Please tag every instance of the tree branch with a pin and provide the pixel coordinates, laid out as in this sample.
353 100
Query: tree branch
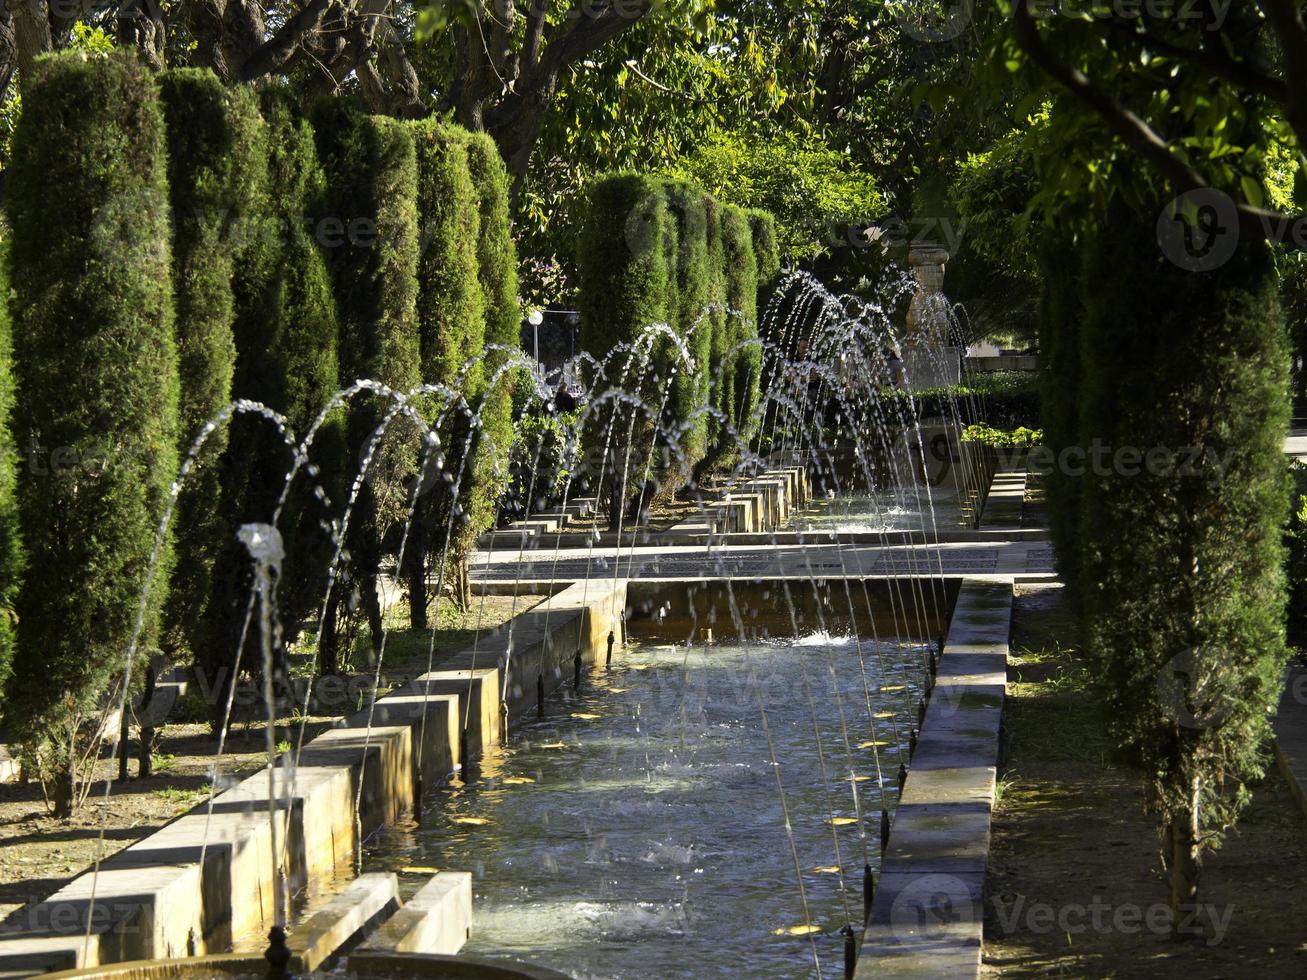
590 30
1119 119
274 54
1217 62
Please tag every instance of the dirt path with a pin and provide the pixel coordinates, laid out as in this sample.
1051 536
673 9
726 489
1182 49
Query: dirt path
1074 887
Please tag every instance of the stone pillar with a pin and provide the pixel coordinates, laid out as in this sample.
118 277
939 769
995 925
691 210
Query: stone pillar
929 361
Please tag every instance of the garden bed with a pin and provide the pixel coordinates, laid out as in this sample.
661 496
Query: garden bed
1074 860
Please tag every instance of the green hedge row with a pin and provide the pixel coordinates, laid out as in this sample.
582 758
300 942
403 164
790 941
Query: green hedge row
654 251
95 359
1176 540
206 244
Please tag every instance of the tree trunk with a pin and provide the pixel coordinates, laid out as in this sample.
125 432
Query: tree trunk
329 637
144 766
65 784
372 609
415 562
1183 863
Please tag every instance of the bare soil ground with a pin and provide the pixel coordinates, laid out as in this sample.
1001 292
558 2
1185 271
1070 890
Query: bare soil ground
39 854
1074 869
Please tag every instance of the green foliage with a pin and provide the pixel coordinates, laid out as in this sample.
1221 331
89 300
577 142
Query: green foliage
286 358
1181 565
993 271
694 283
95 359
624 290
12 556
813 191
452 331
765 247
744 359
215 170
987 435
371 168
1061 312
497 268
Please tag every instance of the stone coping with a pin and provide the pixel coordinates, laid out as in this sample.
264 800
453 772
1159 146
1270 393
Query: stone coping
171 895
927 917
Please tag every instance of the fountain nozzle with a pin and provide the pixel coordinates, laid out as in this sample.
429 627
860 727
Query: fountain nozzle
277 954
540 695
884 831
612 638
576 670
850 952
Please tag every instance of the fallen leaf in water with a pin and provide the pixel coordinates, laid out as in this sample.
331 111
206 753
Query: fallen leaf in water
585 717
618 690
516 780
797 931
884 714
892 687
858 779
872 745
471 821
418 870
841 821
553 745
827 869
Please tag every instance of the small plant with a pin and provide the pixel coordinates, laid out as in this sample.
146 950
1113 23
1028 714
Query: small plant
283 747
161 761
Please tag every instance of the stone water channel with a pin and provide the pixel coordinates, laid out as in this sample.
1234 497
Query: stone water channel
637 829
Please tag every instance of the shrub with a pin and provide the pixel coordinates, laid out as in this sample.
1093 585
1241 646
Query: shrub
1059 379
741 270
692 321
624 289
371 169
1181 565
286 337
216 161
96 362
12 558
497 269
452 331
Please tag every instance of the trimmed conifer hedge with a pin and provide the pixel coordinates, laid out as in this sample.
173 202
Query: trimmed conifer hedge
96 362
741 265
452 331
662 251
693 324
1184 389
371 167
12 557
216 165
497 270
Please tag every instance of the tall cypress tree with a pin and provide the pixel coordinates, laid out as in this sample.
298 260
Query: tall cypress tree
692 319
497 271
96 361
1185 379
12 555
741 270
452 331
371 169
216 168
623 269
286 338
